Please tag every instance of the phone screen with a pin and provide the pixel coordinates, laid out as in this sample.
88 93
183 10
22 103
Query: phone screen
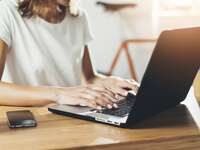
19 119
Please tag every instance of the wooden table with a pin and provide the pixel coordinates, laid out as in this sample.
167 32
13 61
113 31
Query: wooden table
177 128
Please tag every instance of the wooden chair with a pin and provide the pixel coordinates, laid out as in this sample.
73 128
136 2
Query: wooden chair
197 87
124 46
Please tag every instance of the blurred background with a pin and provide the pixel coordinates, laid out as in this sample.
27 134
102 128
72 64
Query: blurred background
115 21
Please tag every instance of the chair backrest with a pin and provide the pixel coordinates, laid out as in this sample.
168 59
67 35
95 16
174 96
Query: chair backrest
197 86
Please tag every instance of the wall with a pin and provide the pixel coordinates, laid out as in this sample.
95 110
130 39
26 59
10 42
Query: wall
108 31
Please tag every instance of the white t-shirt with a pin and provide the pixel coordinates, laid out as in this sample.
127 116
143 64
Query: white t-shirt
42 53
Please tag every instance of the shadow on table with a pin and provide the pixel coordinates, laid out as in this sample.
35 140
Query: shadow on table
175 117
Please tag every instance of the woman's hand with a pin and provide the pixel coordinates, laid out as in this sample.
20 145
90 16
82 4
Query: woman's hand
90 95
116 85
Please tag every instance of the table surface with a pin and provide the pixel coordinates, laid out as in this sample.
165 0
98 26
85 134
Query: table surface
177 128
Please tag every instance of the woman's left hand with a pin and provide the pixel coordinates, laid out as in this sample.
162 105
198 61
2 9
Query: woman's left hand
118 86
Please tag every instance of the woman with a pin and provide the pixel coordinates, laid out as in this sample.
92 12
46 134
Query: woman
44 48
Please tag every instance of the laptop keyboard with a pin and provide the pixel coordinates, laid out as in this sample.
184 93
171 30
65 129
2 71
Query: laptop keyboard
124 109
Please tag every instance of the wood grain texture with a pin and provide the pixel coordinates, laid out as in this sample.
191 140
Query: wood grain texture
177 128
178 143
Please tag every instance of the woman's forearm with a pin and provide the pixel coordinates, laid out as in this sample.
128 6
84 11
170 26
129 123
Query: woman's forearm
17 95
89 72
90 75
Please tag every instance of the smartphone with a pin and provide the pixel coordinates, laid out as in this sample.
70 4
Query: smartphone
21 119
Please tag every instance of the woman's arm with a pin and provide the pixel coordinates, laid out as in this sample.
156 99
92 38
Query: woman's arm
89 73
3 50
18 95
15 95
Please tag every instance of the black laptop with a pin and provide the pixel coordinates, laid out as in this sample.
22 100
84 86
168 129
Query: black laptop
166 82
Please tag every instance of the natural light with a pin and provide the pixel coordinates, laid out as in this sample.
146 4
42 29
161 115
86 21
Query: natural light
178 7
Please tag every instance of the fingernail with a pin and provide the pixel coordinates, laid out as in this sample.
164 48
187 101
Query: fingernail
99 107
109 106
117 97
125 93
115 105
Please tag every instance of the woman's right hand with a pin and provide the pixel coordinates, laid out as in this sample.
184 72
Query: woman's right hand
89 95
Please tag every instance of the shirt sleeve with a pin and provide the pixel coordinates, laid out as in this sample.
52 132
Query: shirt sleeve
5 33
87 33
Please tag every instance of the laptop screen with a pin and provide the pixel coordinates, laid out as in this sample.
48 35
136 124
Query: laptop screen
170 73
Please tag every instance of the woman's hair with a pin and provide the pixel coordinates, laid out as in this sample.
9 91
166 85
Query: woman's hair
45 8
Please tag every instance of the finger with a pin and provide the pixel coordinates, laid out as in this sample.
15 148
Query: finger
88 96
105 98
121 92
89 103
128 85
97 99
132 92
134 82
110 98
119 97
89 100
96 91
101 102
110 92
104 90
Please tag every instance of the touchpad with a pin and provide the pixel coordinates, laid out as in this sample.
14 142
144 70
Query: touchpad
72 109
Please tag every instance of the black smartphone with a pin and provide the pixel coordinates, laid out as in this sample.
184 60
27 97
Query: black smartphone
21 119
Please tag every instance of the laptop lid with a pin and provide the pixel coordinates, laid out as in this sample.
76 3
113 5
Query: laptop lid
170 73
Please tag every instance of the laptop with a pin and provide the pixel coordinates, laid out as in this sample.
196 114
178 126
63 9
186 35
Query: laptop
166 82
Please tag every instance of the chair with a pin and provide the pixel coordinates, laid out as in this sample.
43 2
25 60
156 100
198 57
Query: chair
124 46
197 87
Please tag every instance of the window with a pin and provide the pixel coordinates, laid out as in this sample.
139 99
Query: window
178 7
